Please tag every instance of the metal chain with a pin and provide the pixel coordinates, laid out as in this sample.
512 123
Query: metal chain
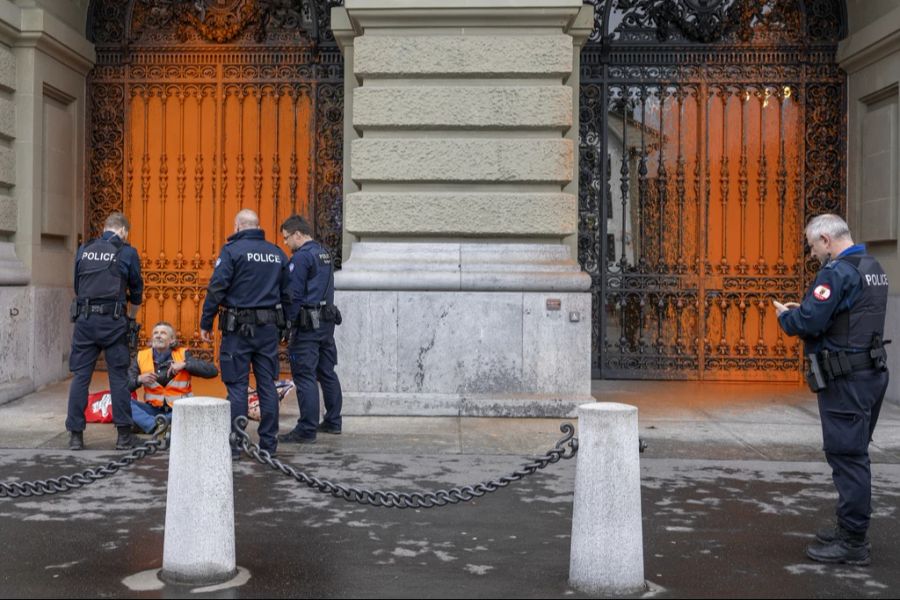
46 487
391 499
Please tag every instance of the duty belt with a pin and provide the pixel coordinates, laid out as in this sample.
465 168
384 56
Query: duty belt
243 319
826 365
311 316
82 308
838 364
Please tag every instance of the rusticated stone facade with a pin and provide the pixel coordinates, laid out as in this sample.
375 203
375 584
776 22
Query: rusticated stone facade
461 293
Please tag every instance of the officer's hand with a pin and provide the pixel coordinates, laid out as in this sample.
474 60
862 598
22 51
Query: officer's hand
147 378
780 308
204 335
176 367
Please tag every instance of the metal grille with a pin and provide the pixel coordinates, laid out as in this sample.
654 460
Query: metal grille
702 132
199 109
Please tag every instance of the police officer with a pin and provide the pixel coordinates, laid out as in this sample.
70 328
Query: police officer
250 284
107 280
841 322
313 316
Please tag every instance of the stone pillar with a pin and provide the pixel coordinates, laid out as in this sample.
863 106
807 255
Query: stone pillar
460 294
607 556
198 548
870 55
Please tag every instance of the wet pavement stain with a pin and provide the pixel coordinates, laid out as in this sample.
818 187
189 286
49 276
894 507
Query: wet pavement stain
711 529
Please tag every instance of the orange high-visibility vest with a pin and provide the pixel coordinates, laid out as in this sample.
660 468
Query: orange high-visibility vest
178 387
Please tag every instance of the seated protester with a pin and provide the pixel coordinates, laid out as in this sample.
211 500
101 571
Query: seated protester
165 370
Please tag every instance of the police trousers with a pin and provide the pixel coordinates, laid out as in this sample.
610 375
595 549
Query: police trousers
237 354
313 358
93 334
849 409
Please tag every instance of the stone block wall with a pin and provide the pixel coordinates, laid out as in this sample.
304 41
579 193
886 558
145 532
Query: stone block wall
440 110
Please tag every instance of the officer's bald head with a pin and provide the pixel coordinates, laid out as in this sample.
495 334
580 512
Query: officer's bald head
246 219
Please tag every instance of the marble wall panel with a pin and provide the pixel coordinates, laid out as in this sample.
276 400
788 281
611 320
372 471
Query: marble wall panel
552 342
460 343
52 334
367 340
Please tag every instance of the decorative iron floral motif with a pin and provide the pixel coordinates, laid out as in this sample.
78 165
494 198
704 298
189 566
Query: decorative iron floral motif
106 139
330 161
826 20
708 20
223 21
718 20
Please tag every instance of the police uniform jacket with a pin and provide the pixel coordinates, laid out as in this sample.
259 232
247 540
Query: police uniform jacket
844 307
312 277
96 253
249 273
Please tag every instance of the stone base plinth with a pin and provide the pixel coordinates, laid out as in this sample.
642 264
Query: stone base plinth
462 405
464 352
35 338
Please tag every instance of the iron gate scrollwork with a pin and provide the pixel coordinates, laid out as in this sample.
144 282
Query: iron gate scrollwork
710 132
199 108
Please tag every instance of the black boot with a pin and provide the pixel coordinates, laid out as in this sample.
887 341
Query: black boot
76 440
846 547
126 440
827 534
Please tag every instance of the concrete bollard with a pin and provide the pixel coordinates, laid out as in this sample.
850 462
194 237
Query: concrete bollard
607 555
199 538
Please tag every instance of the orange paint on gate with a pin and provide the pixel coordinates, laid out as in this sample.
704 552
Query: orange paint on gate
713 213
197 153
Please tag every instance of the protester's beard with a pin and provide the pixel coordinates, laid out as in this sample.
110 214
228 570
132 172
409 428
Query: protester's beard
159 345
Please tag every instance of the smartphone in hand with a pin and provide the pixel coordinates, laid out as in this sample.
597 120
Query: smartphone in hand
780 308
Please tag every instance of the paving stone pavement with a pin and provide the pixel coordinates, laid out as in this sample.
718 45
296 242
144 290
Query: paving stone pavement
733 484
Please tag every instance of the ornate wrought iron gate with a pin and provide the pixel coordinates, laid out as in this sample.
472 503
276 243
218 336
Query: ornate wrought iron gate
710 131
200 108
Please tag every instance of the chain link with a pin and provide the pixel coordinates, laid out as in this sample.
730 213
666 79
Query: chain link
391 499
58 485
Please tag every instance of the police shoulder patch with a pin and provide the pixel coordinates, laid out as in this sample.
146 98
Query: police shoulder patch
218 262
822 292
